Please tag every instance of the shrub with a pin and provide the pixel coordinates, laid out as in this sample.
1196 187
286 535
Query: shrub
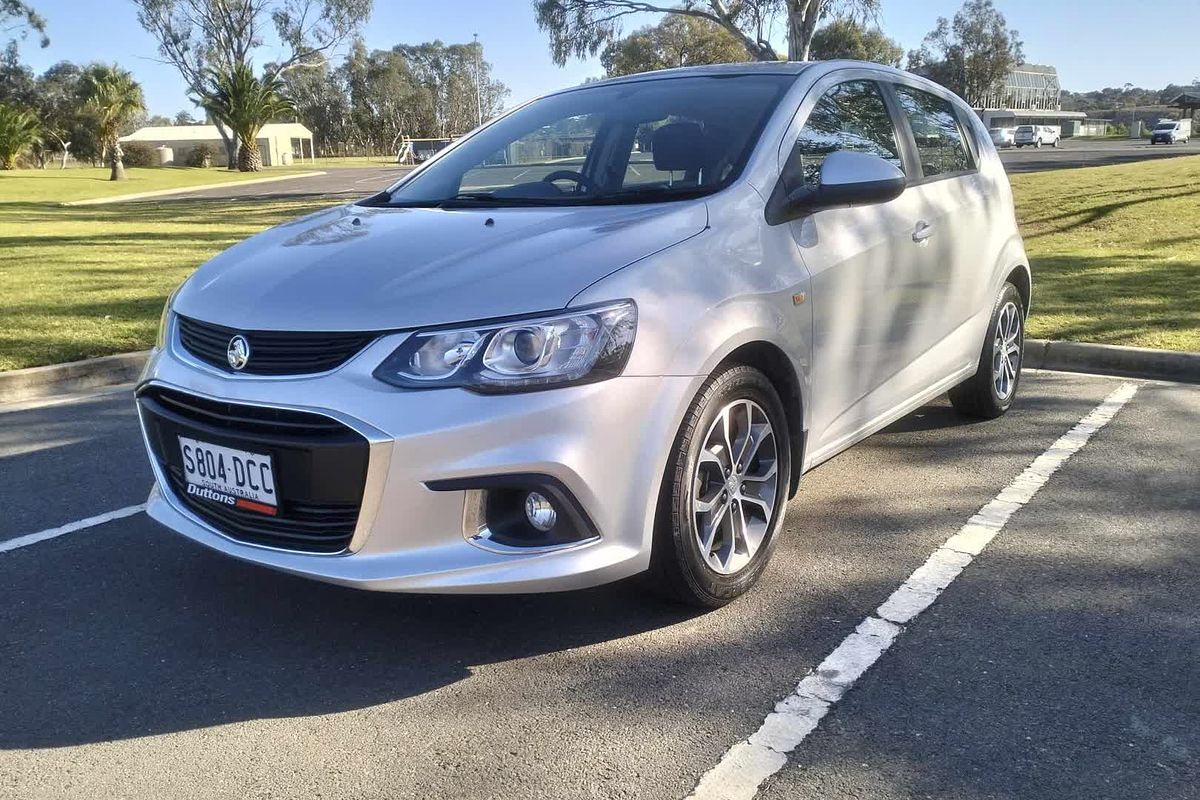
139 155
201 156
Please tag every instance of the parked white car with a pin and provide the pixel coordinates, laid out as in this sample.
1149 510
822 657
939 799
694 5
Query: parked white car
1037 135
1002 137
533 374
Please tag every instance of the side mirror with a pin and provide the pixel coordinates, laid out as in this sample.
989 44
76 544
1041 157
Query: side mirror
847 178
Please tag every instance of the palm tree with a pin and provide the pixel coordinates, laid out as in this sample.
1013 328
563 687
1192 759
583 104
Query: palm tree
113 98
245 103
19 130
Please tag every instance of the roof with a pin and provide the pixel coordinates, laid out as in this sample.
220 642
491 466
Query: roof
739 68
1188 97
209 133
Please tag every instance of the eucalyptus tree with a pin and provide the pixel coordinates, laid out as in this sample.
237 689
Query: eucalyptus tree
112 98
676 41
583 28
970 55
847 38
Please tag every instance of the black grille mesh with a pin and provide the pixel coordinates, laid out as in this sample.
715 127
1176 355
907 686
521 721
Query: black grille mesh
273 352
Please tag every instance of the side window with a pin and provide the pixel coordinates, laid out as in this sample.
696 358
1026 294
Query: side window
850 116
935 128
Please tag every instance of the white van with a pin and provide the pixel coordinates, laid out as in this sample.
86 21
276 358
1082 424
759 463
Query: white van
1037 135
1171 131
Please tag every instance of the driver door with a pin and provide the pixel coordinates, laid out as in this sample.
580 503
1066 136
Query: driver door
865 271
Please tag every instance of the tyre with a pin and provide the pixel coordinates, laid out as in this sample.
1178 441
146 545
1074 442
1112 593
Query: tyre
1038 145
724 492
1056 142
990 391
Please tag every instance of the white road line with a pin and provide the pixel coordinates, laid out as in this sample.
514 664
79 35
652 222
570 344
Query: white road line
70 527
751 761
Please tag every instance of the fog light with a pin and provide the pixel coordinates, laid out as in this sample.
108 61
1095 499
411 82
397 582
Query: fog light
539 511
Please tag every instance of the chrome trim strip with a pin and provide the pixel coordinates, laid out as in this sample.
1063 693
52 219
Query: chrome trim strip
477 533
378 461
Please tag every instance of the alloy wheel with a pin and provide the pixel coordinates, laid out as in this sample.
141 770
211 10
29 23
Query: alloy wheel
1006 351
736 486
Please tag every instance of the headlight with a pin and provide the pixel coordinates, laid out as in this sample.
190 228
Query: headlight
575 347
164 321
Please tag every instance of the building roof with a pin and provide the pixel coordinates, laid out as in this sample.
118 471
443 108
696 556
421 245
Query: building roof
1186 99
209 133
1036 113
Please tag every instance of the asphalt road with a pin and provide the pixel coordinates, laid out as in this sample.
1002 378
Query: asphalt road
1062 663
1091 153
354 182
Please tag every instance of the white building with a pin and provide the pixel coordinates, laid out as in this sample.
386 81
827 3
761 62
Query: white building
278 142
1030 96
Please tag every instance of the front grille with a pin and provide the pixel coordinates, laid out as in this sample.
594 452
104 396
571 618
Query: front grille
320 468
272 352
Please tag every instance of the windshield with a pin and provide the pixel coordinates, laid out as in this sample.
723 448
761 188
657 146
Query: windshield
1165 126
644 141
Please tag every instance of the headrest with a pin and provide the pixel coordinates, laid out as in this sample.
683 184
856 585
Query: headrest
679 146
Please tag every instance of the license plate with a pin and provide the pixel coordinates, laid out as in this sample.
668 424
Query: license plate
224 475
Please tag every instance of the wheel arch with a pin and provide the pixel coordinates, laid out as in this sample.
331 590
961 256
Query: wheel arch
770 359
1019 276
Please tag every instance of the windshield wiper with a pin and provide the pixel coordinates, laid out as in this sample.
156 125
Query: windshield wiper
488 199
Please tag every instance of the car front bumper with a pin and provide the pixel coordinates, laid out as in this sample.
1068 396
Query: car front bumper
605 443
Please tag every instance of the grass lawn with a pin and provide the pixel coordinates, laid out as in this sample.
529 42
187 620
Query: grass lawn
1115 252
84 183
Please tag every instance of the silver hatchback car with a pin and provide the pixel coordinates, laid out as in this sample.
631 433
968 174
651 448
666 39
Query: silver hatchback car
602 335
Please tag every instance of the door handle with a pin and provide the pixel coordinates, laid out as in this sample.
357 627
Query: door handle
922 232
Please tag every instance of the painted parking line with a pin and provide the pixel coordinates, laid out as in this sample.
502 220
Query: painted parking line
71 527
751 761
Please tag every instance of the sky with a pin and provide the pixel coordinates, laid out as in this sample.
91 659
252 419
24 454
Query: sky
1093 43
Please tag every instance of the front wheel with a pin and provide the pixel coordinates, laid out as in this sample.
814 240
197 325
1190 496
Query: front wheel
990 391
1039 144
724 493
1056 142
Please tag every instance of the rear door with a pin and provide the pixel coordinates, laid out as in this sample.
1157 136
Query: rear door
951 199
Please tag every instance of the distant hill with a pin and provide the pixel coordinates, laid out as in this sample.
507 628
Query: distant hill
1118 99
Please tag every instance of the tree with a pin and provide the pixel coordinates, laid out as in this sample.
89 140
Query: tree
972 55
17 84
185 118
245 103
16 15
846 38
676 41
19 131
198 36
112 98
582 28
58 107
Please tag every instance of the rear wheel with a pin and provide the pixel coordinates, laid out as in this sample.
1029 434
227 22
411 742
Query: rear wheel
990 391
724 493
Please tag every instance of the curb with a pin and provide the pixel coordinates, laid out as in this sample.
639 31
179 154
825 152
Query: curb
1108 359
99 201
37 383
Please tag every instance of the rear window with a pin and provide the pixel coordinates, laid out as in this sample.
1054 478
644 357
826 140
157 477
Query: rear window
936 131
1025 129
1165 126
